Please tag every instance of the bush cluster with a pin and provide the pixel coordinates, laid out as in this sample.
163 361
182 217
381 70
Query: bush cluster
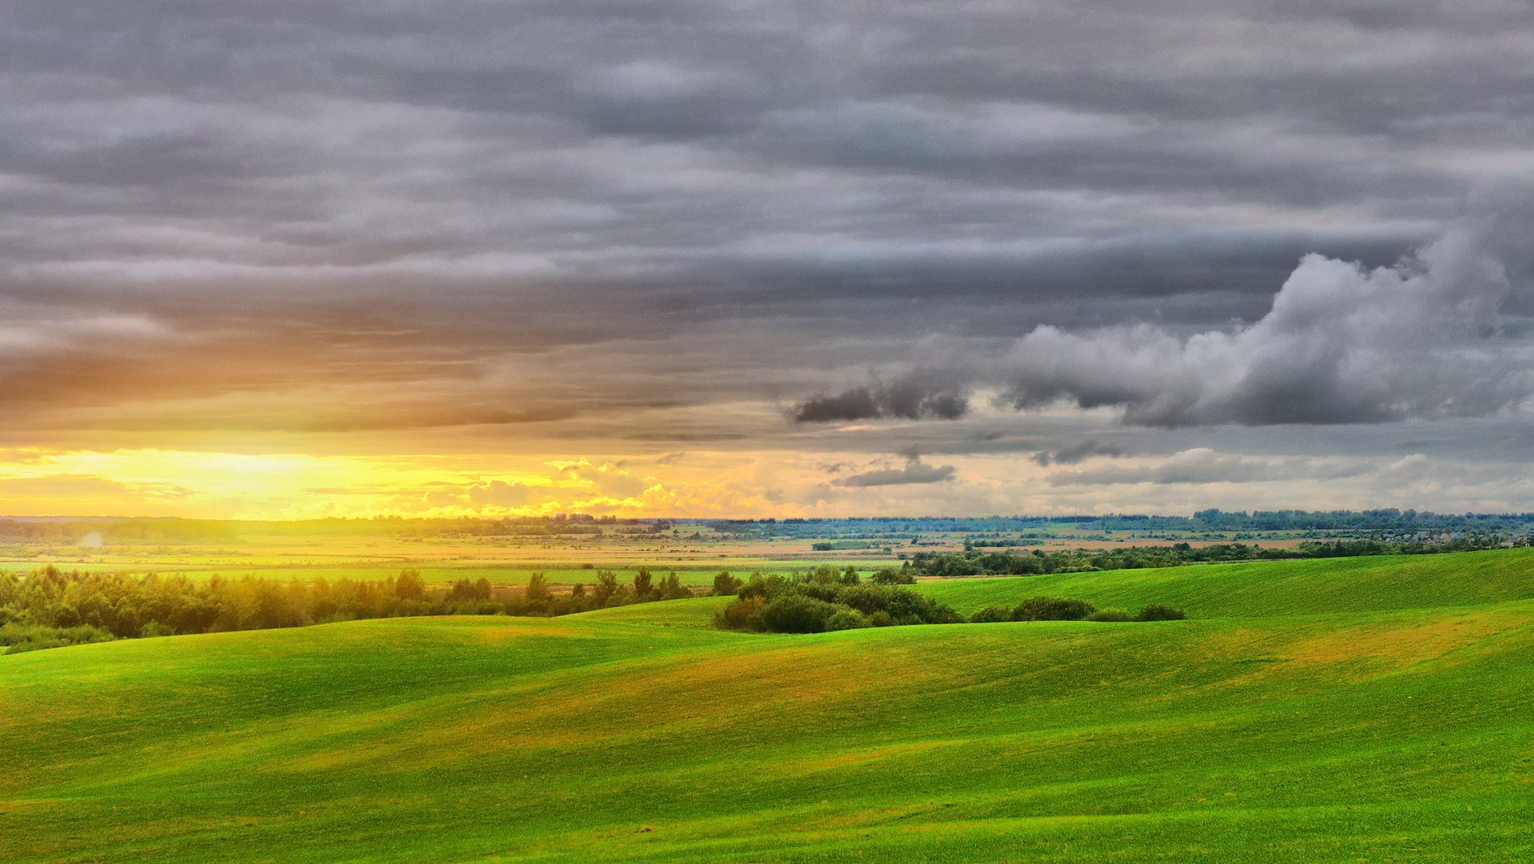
1068 609
826 600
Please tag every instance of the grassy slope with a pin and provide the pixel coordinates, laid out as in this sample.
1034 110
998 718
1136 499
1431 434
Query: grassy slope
1273 588
1403 734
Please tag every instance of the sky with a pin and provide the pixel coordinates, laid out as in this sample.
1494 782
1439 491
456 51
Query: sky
724 258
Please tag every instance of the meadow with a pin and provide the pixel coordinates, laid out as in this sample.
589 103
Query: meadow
439 560
1371 709
449 550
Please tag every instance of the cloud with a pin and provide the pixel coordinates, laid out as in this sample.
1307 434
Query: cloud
521 228
89 495
1203 465
492 495
25 455
1076 453
606 479
913 472
1341 344
22 337
500 494
1199 465
915 396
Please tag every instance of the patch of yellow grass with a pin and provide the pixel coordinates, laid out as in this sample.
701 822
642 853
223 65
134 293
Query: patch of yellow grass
1363 652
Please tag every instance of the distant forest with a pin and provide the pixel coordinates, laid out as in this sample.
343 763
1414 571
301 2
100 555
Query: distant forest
1385 524
1382 523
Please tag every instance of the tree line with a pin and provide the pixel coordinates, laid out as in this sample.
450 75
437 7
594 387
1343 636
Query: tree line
51 607
1386 521
977 561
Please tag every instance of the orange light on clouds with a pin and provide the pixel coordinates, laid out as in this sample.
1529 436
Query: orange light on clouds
224 485
198 484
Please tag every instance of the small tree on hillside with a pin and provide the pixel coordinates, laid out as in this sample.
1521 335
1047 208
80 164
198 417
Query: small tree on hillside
606 587
671 588
644 584
537 594
725 584
409 586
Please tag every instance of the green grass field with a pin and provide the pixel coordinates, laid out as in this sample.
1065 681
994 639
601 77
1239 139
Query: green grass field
1313 711
1274 588
440 560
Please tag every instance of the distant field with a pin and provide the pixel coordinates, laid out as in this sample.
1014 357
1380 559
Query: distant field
441 560
1329 711
509 560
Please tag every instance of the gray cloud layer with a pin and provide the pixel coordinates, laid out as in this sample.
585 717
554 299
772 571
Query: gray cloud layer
397 215
1434 335
1203 466
917 396
915 471
1076 453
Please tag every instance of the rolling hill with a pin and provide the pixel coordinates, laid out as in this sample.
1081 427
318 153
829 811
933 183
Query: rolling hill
1349 710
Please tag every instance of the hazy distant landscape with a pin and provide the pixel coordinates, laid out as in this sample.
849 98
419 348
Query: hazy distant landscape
65 581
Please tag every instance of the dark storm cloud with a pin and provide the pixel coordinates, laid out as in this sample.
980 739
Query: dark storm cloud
916 396
550 204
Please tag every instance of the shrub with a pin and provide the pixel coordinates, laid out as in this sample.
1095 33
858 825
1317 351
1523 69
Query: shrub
16 639
890 576
762 586
1160 612
805 603
725 584
1052 609
740 614
825 574
846 619
796 613
991 615
1110 615
153 629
